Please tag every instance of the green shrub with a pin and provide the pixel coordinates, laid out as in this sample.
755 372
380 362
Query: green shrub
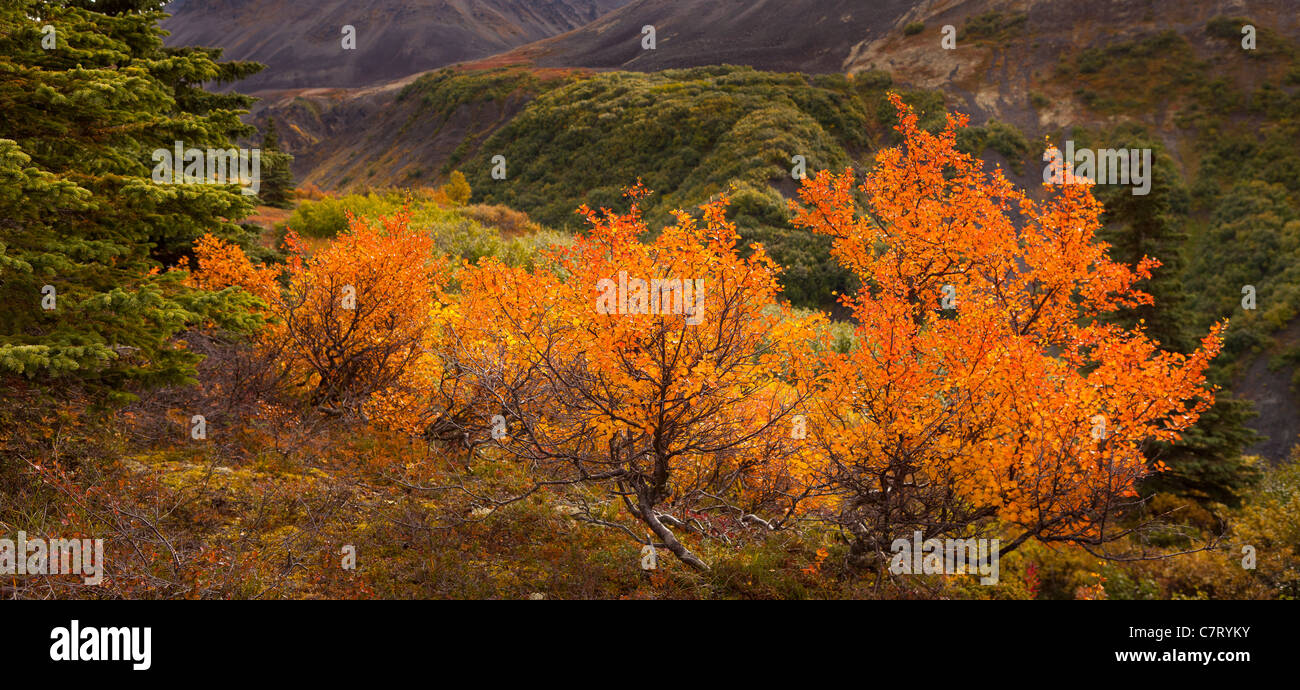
324 218
1002 137
992 26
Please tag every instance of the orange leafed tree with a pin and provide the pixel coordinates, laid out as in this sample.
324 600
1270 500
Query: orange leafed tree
663 387
656 378
983 387
352 316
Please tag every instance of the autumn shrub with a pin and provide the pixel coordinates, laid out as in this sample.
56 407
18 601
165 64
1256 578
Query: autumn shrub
672 412
457 189
310 192
351 316
505 220
952 421
982 386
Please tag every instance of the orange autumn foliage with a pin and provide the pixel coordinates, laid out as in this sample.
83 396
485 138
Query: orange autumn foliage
671 403
1014 403
353 315
221 265
658 382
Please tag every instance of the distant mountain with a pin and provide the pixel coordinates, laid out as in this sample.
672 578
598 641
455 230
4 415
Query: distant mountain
301 41
780 35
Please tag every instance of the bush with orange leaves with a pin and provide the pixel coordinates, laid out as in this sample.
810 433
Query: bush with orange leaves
667 408
984 388
347 319
663 386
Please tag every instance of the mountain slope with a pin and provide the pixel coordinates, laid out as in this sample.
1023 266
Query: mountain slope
1007 49
301 42
781 35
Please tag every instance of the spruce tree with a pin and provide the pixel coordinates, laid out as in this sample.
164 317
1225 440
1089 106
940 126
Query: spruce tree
86 235
1138 226
1207 463
277 176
